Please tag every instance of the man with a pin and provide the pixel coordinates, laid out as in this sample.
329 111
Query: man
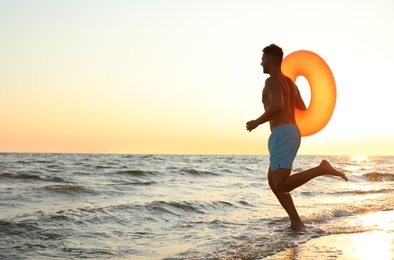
280 98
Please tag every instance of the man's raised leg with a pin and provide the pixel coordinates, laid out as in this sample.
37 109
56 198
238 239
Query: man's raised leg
285 182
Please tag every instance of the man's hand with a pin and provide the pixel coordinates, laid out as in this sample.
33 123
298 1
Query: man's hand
251 125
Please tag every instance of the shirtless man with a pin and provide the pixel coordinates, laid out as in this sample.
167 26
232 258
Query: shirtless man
280 98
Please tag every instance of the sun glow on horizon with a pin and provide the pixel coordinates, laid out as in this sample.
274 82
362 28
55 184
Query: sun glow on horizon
137 77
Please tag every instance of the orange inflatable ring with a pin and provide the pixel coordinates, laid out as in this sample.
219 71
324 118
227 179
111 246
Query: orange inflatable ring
323 90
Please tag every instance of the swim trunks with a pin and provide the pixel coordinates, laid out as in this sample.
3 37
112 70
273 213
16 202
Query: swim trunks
283 145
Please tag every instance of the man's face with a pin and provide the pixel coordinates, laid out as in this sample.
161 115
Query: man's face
265 63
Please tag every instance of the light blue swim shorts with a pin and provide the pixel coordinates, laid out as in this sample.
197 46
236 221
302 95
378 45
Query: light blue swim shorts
283 145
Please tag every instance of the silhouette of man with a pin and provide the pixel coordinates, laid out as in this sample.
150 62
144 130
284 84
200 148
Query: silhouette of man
280 98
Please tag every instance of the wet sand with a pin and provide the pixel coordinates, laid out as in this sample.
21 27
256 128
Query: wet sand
375 244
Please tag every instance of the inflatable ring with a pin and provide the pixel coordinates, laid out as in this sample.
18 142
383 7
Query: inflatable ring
323 90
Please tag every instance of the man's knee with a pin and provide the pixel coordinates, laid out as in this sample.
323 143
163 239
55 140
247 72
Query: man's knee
282 188
279 180
278 188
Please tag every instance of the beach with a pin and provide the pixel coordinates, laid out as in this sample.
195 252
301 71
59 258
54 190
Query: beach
112 206
375 244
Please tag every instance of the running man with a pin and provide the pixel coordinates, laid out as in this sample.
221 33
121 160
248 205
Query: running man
280 98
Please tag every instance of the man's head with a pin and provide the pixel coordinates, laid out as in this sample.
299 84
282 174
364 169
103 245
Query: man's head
272 56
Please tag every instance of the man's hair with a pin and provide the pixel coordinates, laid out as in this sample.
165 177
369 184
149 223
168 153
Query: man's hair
275 51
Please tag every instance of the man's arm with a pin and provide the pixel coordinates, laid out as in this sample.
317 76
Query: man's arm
299 102
275 104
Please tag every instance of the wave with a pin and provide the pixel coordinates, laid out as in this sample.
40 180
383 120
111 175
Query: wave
379 177
32 235
136 182
11 228
196 172
184 171
42 161
172 207
29 176
20 176
254 241
344 211
68 188
142 183
135 173
378 191
176 207
360 191
38 161
23 162
104 167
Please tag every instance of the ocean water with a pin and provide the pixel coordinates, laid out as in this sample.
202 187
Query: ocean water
72 206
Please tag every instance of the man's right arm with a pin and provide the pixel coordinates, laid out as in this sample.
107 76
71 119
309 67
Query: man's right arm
275 104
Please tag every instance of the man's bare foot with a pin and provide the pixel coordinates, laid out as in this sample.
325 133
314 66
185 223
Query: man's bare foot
326 166
297 226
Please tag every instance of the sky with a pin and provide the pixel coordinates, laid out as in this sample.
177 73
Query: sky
184 76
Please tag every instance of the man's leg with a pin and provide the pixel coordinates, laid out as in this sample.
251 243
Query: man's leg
285 182
286 201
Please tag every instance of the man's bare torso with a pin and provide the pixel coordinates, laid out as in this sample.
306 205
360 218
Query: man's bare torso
289 93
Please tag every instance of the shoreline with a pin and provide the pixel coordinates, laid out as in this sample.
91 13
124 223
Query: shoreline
374 244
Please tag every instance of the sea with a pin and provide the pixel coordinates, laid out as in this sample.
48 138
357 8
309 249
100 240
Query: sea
113 206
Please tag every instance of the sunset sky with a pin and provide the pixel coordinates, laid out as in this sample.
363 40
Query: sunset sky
183 76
